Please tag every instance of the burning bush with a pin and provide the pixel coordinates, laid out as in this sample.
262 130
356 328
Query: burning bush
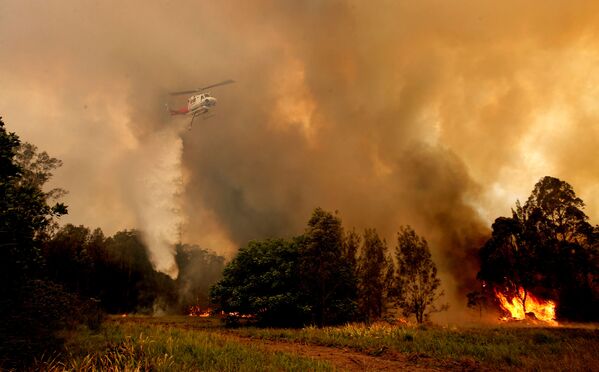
525 305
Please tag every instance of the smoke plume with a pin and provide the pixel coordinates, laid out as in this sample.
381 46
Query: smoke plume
431 113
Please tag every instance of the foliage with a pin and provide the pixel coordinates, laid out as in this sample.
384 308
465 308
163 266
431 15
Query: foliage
116 270
43 308
351 245
25 215
310 278
263 281
417 282
548 247
326 278
375 275
27 315
199 269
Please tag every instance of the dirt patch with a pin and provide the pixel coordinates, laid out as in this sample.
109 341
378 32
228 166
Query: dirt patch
351 360
344 359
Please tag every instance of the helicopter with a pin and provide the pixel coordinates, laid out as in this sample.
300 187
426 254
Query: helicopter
197 104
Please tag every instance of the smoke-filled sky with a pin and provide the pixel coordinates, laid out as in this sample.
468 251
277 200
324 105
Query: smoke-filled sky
439 114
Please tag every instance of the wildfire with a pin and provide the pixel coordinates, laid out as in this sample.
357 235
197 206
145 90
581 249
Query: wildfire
196 310
525 303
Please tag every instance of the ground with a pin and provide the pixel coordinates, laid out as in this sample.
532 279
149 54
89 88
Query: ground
191 343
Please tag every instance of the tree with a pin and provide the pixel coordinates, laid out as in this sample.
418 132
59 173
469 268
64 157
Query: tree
477 300
130 281
68 259
557 212
547 246
417 282
375 271
26 218
263 281
25 215
199 269
115 271
326 277
31 308
508 257
351 244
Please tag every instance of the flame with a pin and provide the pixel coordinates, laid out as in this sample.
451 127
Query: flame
196 310
518 306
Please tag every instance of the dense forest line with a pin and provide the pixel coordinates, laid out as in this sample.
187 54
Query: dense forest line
328 276
54 277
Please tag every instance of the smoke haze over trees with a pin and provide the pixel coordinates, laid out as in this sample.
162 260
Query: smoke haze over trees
321 278
453 109
53 278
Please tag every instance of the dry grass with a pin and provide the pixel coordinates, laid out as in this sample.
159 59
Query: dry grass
135 346
503 347
184 343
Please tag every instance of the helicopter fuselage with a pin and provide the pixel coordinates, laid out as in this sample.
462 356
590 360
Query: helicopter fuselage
200 102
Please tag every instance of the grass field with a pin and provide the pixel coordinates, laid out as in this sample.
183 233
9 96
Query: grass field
531 348
141 343
140 346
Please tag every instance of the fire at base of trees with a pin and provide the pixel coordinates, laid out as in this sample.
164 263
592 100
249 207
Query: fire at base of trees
327 276
542 263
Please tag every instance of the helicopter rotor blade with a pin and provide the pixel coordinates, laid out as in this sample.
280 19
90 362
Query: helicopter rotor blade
203 88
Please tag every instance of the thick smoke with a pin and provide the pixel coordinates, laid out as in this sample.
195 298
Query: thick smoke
431 113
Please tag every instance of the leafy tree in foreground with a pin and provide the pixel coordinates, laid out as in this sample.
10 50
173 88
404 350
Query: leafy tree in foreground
31 308
417 282
375 274
326 277
263 280
26 218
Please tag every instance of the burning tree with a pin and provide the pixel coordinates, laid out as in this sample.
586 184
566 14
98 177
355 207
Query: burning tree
417 282
547 247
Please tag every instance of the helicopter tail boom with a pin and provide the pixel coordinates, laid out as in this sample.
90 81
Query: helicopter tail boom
181 111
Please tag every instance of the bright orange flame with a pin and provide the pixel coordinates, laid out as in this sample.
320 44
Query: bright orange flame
518 306
196 310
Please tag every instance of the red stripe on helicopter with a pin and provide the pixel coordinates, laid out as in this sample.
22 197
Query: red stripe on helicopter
180 111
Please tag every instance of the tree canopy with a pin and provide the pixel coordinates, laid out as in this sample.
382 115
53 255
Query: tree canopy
263 281
375 276
417 281
549 247
25 215
326 277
